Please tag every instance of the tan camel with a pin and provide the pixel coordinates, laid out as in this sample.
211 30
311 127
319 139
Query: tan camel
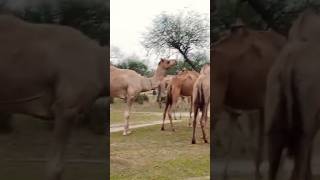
127 84
201 100
292 98
242 60
181 85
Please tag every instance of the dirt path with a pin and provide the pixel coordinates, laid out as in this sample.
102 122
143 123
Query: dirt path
119 127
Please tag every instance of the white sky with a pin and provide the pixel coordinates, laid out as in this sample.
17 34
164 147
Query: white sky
129 19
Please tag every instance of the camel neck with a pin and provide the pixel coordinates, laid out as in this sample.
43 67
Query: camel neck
159 74
154 81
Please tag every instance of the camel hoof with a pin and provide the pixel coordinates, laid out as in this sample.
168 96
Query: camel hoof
193 141
205 141
173 130
162 128
126 133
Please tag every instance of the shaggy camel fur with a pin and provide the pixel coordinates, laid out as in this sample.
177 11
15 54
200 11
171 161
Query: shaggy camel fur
292 99
127 84
181 85
201 100
242 60
52 72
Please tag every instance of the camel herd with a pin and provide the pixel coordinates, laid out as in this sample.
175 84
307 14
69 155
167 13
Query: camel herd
43 76
127 84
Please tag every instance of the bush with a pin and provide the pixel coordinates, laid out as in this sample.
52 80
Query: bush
141 98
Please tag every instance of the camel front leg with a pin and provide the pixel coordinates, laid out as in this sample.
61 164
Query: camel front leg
126 130
62 129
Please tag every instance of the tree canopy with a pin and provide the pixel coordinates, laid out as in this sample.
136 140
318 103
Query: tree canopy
136 65
258 14
184 32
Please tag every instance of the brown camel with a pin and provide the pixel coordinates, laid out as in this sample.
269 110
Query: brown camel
127 84
181 85
162 94
242 60
52 72
201 100
292 98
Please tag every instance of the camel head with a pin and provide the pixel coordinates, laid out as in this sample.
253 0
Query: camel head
167 63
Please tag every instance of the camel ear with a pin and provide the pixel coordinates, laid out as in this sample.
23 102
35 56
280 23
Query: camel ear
161 61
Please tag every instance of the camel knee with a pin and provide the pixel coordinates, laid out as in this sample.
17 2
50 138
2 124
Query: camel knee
126 115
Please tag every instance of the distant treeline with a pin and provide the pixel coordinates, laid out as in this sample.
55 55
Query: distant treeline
90 17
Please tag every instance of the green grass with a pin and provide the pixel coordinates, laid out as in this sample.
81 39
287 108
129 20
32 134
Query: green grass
149 153
117 117
151 106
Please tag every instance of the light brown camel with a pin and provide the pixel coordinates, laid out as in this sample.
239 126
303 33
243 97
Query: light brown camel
51 72
201 100
292 108
127 84
242 60
181 85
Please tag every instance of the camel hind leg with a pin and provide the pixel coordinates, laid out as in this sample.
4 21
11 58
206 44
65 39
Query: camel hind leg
194 124
204 119
172 108
190 112
64 118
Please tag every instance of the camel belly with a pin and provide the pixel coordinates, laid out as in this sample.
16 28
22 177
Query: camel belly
38 105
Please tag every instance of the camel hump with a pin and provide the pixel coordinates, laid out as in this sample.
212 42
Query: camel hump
306 27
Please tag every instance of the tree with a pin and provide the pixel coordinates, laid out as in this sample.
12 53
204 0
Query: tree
200 58
183 32
91 18
258 14
136 65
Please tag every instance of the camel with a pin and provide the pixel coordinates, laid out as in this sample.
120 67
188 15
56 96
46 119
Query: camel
162 89
162 94
242 60
201 100
181 85
51 72
127 84
292 98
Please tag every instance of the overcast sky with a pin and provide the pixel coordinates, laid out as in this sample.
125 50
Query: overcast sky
130 19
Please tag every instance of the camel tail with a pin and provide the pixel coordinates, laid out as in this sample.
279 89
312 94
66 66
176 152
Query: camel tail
200 99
